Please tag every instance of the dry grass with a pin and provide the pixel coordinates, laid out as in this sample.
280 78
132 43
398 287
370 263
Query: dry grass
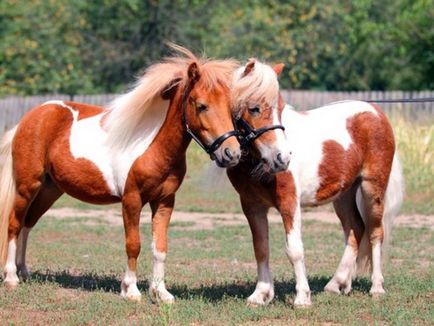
416 147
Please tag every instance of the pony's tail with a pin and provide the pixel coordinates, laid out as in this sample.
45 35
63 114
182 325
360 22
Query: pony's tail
392 204
7 190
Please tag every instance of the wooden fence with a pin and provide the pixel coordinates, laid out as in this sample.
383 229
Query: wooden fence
13 108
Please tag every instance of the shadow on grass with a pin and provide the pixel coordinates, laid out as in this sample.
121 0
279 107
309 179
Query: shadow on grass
209 292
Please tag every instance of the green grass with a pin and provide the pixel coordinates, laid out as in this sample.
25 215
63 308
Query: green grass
416 147
77 269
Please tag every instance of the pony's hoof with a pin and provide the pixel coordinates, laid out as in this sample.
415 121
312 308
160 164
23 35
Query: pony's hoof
130 292
161 296
260 298
303 302
338 288
134 297
24 273
332 287
11 285
377 293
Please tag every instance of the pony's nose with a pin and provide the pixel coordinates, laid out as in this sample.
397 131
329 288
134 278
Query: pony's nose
231 156
281 162
228 153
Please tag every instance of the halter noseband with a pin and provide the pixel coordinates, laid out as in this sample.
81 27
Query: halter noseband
248 134
209 149
245 133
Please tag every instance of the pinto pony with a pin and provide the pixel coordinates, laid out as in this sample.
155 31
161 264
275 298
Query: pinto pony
131 152
342 153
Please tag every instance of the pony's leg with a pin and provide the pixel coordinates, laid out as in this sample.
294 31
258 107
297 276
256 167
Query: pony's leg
161 213
27 188
373 191
256 214
295 253
131 208
22 269
353 227
45 198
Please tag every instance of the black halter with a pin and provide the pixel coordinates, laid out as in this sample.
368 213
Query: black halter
210 149
248 134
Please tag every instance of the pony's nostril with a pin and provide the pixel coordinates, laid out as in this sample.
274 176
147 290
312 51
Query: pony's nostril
228 153
279 158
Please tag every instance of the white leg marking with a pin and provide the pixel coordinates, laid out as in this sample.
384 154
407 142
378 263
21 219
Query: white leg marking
264 291
157 288
21 253
11 277
344 273
295 252
377 277
129 288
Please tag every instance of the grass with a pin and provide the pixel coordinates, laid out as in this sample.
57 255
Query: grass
416 148
77 269
206 190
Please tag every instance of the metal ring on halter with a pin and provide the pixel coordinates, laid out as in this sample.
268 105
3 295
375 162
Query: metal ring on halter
248 134
209 149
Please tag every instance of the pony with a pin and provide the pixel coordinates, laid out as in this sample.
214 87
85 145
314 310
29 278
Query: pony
133 152
343 153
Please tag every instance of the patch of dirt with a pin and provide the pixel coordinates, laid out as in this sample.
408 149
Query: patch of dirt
202 221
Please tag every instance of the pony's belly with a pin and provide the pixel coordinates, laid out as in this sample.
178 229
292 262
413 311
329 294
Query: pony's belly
80 178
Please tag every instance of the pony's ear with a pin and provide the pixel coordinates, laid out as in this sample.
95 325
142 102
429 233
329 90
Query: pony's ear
278 68
169 91
249 67
193 73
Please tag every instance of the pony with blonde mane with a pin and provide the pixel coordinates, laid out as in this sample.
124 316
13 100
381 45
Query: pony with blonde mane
131 152
342 153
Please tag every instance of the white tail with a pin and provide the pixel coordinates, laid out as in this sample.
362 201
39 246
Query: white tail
7 190
392 204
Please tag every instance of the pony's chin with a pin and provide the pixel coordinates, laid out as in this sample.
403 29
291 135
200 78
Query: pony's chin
225 164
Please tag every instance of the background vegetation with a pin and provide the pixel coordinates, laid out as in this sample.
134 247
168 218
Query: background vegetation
79 46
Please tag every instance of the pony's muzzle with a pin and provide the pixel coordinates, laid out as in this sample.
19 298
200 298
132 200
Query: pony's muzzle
280 162
227 157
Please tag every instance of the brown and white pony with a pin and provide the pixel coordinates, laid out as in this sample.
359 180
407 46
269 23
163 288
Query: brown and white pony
342 153
131 152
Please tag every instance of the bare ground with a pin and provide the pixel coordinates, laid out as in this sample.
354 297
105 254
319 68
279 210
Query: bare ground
194 220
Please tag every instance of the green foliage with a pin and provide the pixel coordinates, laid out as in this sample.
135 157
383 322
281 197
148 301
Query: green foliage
79 46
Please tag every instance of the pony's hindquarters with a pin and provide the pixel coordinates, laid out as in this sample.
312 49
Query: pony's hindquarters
7 190
392 203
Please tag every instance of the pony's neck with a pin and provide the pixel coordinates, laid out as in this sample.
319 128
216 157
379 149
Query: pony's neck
172 141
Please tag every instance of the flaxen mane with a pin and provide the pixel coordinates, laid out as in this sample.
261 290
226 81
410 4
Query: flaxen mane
257 86
143 110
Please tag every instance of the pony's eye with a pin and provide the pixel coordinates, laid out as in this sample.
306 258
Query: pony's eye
201 107
254 110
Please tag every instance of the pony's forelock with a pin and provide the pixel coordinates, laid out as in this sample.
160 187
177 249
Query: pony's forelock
259 85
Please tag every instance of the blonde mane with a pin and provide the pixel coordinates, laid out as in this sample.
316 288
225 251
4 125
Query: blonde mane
259 85
142 111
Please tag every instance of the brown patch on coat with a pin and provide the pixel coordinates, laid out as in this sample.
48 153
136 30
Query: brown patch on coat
286 198
369 155
338 169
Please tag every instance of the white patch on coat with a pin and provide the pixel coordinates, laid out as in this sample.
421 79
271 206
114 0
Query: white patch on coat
10 271
306 133
88 140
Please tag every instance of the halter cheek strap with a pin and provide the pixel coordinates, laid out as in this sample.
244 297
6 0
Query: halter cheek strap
209 149
249 134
